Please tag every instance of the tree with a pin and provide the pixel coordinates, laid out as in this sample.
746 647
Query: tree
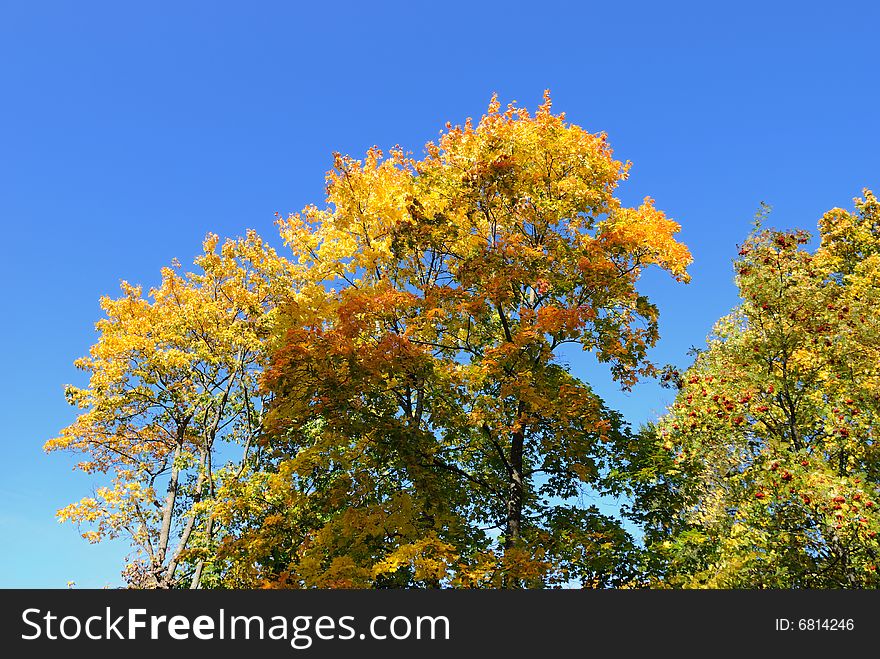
172 388
423 429
772 439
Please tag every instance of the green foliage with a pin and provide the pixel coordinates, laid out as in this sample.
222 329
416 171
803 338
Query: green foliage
772 468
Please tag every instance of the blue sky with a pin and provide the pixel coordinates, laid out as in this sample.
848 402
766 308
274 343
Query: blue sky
129 130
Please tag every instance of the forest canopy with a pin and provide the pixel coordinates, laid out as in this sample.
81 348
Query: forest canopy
382 403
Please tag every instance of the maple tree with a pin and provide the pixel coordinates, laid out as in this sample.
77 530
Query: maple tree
172 390
423 429
768 460
395 389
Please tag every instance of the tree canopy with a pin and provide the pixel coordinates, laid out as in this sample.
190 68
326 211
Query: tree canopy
388 405
774 429
419 405
173 382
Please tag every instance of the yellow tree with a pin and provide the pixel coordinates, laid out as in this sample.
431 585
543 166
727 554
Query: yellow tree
772 439
421 413
172 389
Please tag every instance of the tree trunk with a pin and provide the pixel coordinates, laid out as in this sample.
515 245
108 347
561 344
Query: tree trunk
167 516
197 575
515 492
209 525
513 531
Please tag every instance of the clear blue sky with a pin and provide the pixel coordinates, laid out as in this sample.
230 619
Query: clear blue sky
129 130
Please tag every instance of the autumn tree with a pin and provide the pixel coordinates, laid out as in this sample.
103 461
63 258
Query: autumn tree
172 406
424 430
773 461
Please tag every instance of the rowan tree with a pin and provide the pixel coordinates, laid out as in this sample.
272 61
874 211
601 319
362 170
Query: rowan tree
772 439
172 392
424 428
